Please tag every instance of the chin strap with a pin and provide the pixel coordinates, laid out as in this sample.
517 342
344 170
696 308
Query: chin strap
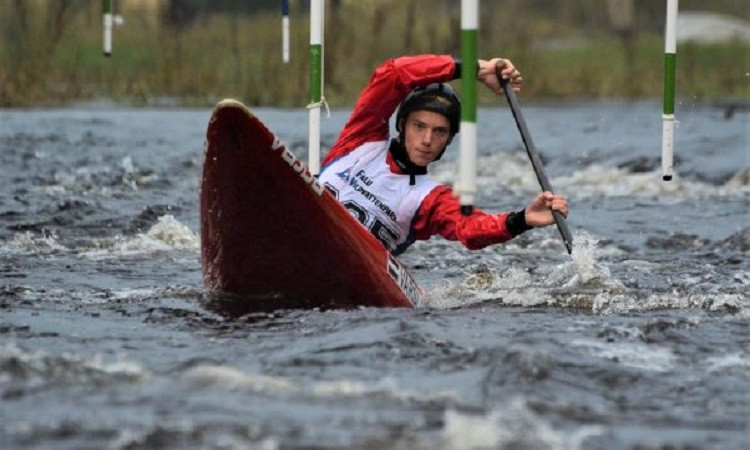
401 157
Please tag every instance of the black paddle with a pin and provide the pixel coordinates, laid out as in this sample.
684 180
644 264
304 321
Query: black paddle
536 162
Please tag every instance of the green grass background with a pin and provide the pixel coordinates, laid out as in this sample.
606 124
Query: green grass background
51 52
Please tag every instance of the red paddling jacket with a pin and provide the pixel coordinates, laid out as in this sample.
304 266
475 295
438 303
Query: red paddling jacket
395 211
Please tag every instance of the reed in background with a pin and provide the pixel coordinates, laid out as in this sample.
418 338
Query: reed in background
192 53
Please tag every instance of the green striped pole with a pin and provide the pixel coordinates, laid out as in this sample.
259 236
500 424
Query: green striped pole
316 83
467 186
107 11
670 58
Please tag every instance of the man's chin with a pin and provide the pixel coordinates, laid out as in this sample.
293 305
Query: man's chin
422 162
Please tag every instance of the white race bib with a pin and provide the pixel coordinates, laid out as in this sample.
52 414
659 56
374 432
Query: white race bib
379 199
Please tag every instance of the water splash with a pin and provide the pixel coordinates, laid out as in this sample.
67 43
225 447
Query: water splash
585 269
584 283
128 172
165 236
481 285
27 242
740 180
173 233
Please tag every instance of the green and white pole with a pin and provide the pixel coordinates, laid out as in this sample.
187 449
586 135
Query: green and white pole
670 59
316 83
467 186
285 31
107 11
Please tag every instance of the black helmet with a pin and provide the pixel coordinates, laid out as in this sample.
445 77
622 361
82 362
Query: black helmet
435 97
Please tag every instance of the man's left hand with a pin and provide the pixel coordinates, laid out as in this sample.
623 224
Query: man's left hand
492 71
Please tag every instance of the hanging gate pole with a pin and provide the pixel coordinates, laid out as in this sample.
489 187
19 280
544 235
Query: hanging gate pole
285 31
316 83
670 58
107 20
467 186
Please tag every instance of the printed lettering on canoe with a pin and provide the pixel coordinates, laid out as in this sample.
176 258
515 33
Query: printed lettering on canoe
404 280
297 166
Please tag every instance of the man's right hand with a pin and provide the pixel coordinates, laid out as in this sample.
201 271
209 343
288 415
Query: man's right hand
539 212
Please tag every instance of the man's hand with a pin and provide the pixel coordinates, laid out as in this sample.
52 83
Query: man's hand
492 71
539 212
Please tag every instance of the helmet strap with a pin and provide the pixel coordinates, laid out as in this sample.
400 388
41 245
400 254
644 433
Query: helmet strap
401 157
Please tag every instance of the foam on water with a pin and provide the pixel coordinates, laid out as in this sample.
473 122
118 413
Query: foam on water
185 434
740 180
510 287
514 425
229 378
40 368
514 286
28 243
583 282
732 361
631 354
166 235
506 169
70 299
633 301
233 379
600 181
173 233
386 387
513 171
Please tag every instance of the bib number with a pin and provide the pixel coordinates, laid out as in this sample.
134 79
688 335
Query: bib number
382 233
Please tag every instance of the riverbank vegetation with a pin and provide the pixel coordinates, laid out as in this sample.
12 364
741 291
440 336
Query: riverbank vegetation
51 52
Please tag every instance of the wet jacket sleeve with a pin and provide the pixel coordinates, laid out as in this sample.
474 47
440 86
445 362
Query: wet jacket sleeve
389 85
440 213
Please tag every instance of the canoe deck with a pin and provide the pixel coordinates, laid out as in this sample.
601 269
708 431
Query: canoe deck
272 237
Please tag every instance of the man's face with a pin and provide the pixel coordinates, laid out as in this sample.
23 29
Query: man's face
426 134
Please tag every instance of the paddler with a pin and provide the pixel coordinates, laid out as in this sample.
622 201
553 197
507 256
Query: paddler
383 181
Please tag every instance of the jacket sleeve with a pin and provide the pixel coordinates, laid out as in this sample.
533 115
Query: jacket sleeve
389 85
440 213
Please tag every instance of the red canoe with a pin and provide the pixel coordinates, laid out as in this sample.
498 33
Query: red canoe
272 237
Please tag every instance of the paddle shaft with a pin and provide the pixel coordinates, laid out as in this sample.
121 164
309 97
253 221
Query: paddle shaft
536 162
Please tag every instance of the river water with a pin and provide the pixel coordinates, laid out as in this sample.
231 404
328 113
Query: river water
641 340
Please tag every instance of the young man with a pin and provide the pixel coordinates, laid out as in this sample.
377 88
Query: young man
383 182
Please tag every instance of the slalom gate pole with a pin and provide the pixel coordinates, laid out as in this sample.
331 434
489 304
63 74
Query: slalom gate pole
316 83
467 186
668 120
285 30
107 20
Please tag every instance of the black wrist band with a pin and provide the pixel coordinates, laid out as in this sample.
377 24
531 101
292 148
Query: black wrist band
457 69
516 222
